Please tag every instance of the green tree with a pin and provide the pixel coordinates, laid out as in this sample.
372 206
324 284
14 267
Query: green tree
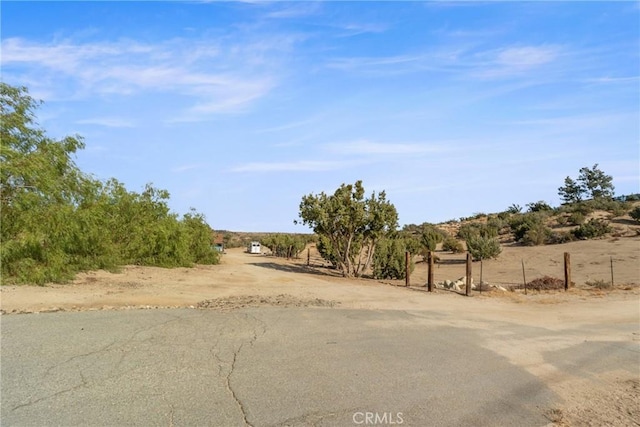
56 220
592 183
483 247
389 259
596 183
350 223
571 191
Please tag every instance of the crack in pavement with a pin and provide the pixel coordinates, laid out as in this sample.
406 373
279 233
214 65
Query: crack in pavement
259 329
85 383
232 391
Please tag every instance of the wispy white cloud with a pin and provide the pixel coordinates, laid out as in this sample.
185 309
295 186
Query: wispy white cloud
358 28
112 122
515 60
288 126
365 63
294 10
293 166
464 60
365 147
186 168
614 80
575 122
217 78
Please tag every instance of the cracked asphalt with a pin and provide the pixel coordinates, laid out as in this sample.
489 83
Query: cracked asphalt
272 367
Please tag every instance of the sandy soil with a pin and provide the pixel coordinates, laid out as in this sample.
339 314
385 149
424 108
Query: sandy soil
243 280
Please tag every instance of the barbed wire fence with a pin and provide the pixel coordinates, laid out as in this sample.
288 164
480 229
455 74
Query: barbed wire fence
473 276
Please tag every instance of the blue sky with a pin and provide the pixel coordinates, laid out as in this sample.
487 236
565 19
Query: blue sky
240 109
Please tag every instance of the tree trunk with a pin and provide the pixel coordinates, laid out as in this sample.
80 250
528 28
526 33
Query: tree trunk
371 252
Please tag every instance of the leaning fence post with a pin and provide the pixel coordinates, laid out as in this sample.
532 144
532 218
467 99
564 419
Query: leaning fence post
567 270
468 290
430 272
406 269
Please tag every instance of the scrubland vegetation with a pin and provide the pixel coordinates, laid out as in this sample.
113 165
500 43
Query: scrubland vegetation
57 220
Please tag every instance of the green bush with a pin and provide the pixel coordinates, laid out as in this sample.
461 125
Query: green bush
537 235
285 245
389 259
521 224
475 229
577 218
56 220
540 206
483 247
453 245
635 213
559 238
592 229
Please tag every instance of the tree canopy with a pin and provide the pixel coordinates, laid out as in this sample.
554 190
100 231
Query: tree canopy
349 225
56 220
592 183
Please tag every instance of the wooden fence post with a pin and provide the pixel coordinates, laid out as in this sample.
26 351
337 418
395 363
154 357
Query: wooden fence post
406 271
524 278
308 257
612 272
481 275
469 260
567 270
430 272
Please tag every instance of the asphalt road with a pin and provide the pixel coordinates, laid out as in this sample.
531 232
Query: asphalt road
272 367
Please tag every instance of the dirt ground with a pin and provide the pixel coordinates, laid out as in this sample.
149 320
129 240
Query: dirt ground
245 280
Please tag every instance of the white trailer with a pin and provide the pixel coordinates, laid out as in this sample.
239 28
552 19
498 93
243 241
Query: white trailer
254 248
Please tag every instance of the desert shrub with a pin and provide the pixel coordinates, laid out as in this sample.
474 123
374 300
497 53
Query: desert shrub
607 204
389 259
430 237
582 207
577 218
559 238
635 213
412 243
476 229
514 209
483 247
537 235
495 225
504 215
598 284
285 245
539 206
592 229
521 224
453 245
546 283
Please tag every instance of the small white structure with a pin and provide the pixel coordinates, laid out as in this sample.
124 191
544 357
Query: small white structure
254 248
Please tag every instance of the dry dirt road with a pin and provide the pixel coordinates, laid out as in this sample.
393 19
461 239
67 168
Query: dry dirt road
271 342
